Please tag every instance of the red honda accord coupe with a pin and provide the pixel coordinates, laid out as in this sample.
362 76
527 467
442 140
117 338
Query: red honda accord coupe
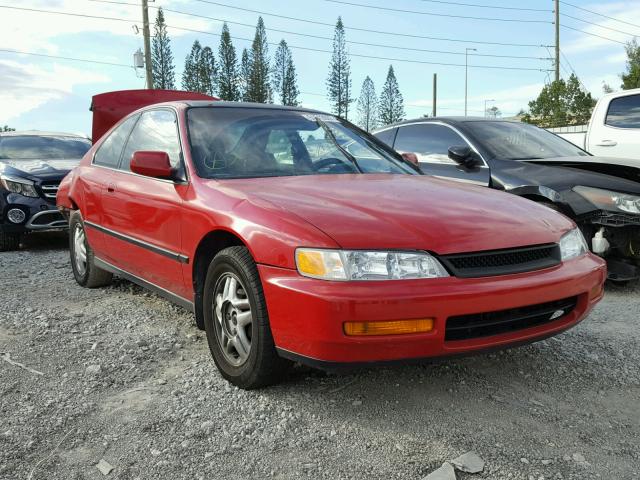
293 235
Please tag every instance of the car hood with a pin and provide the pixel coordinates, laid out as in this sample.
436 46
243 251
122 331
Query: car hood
407 212
38 169
603 172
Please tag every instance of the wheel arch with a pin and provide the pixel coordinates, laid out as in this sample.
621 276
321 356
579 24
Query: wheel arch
208 247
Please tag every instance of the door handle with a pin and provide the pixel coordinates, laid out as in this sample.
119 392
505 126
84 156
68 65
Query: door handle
607 143
111 188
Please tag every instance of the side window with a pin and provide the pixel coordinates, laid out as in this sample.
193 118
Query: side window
279 146
109 152
430 142
387 136
624 112
156 131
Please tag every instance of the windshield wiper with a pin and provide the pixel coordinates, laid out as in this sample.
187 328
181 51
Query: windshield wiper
334 140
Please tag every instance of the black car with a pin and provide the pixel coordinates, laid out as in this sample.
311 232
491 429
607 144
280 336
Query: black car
601 195
32 164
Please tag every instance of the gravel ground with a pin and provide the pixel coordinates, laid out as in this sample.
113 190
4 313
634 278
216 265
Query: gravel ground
126 379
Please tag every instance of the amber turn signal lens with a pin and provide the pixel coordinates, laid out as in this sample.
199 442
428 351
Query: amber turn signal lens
393 327
596 291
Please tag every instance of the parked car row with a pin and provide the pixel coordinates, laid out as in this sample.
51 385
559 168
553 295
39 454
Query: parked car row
295 236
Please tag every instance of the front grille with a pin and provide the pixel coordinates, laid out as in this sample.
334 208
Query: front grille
50 189
610 219
51 217
502 262
464 327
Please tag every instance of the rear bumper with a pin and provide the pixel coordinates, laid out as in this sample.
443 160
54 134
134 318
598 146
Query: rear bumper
307 315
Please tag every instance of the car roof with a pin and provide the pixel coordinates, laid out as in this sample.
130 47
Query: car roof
40 133
225 104
453 120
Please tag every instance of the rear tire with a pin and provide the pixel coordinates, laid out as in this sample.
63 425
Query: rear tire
9 241
237 323
82 259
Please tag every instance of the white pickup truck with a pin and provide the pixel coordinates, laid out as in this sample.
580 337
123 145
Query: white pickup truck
614 128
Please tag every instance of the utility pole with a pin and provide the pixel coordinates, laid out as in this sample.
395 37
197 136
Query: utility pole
557 22
435 93
466 75
147 43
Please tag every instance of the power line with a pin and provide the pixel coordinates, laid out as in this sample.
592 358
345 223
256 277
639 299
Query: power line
600 14
85 60
357 29
496 7
308 35
593 34
420 12
375 57
599 25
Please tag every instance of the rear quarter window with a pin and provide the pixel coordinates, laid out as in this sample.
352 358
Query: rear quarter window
387 136
624 112
108 154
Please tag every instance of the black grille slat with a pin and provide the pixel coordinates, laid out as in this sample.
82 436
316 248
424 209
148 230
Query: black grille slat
502 262
485 324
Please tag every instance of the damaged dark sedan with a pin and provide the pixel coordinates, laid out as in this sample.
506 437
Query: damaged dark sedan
602 195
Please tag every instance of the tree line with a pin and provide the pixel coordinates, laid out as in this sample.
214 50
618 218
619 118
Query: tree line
255 77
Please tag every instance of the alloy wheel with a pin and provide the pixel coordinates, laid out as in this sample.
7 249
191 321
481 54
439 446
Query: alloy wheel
233 319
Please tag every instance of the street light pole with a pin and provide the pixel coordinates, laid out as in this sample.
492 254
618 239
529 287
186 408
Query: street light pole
466 75
485 106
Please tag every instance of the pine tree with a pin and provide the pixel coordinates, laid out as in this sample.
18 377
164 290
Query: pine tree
191 73
161 57
339 80
391 104
368 105
258 88
284 76
228 77
245 74
207 71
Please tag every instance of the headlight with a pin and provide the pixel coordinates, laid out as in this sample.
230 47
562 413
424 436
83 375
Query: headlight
367 265
19 185
608 200
573 244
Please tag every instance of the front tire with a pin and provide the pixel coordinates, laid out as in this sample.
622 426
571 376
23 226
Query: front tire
237 323
9 241
82 259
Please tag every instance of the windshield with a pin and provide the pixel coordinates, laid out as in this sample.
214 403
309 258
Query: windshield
32 147
229 142
519 141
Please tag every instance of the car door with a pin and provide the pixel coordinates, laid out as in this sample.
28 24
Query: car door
95 180
142 215
619 135
430 142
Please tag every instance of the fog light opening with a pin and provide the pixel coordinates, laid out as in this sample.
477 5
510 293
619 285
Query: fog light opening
16 215
392 327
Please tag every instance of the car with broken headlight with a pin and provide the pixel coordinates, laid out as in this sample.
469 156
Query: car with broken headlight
288 246
32 165
602 195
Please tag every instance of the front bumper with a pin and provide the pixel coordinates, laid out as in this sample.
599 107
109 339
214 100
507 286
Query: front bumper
307 315
40 215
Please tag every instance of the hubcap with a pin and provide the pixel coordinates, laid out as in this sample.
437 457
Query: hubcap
234 318
79 249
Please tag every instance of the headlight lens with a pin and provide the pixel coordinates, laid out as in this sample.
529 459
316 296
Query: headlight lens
19 185
367 265
573 244
608 200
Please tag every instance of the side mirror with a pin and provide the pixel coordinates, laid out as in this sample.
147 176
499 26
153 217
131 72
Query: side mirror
411 157
151 164
464 156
